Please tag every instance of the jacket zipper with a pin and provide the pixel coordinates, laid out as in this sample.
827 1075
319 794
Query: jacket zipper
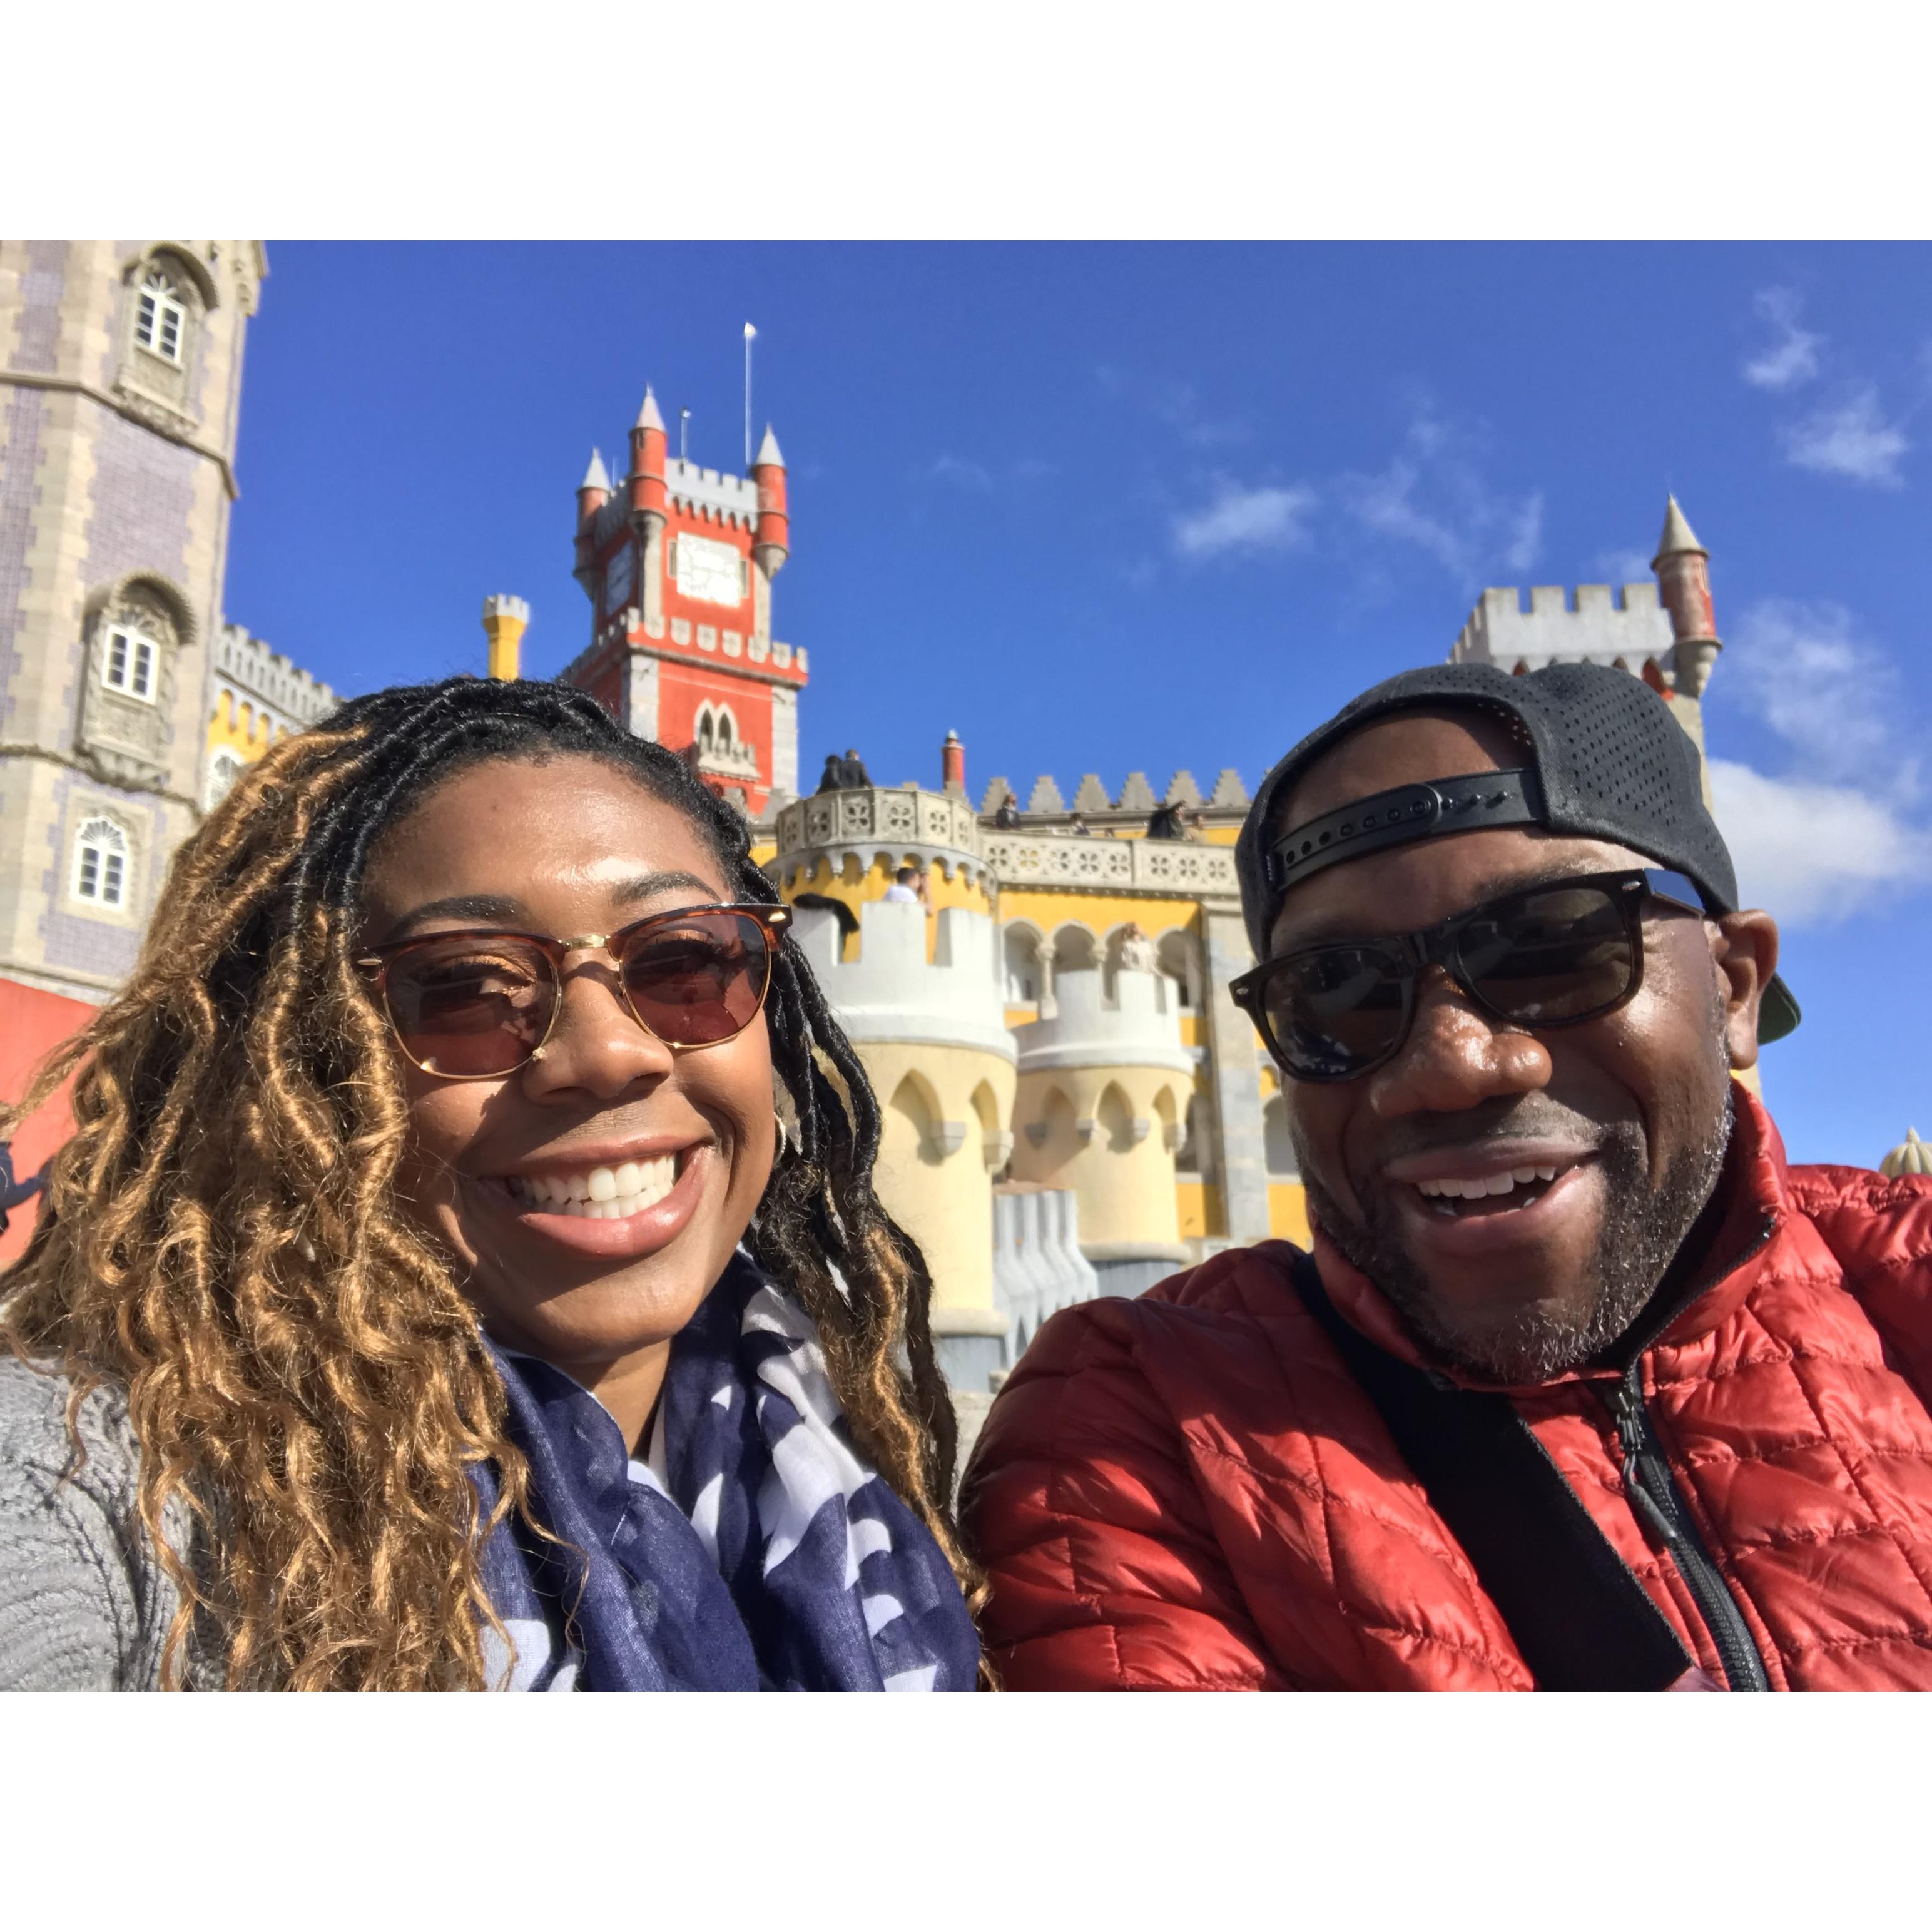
1651 1486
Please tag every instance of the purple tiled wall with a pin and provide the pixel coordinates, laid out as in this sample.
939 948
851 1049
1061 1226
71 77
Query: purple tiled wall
36 346
20 491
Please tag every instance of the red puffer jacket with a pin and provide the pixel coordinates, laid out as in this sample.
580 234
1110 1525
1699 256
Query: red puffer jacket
1189 1492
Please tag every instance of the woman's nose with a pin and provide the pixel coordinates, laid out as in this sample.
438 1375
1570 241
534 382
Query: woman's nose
597 1044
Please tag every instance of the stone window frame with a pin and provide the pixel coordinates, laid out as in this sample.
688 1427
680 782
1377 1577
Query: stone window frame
139 664
124 736
160 313
147 371
108 885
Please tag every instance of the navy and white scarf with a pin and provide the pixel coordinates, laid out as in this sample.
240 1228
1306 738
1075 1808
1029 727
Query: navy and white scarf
777 1560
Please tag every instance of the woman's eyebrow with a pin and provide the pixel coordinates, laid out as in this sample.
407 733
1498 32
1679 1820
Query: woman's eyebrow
490 908
652 883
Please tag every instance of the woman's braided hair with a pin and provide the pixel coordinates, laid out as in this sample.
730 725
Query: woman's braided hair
220 1236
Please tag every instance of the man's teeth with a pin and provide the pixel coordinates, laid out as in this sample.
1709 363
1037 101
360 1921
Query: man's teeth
599 1194
1492 1184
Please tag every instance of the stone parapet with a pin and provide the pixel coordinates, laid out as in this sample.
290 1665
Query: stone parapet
891 991
1134 1022
1165 868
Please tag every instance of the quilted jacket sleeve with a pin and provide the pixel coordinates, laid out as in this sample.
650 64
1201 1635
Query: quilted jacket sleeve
1081 1502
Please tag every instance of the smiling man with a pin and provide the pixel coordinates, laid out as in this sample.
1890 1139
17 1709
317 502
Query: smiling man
1581 1386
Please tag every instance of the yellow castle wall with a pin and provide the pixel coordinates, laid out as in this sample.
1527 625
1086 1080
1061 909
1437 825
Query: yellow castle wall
943 1201
1126 1190
854 883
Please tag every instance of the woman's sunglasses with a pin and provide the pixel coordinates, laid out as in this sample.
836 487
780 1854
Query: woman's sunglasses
1554 955
478 1005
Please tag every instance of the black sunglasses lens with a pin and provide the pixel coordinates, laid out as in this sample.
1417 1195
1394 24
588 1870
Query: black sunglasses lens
1335 1011
698 980
1548 957
470 1009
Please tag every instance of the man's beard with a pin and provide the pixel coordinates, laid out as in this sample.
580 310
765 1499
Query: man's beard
1643 1229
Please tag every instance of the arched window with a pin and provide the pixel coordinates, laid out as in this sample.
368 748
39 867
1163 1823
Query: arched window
129 663
101 864
706 730
1177 961
223 769
725 723
160 316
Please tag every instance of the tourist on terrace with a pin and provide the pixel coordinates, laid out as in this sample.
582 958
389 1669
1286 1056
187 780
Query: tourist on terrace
1007 818
466 1271
907 888
1582 1386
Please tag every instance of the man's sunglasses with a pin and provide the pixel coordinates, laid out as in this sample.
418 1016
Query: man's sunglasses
476 1005
1552 955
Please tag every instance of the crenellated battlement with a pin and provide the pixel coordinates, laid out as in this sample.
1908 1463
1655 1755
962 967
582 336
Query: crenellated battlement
890 992
734 498
1628 628
257 671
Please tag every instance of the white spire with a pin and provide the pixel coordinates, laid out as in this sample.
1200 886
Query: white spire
768 450
648 417
1678 534
596 477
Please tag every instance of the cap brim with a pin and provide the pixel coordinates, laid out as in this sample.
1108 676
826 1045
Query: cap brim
1777 1012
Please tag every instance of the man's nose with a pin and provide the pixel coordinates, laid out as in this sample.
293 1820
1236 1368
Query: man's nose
1455 1057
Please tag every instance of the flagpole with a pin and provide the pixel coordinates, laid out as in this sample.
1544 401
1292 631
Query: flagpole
749 333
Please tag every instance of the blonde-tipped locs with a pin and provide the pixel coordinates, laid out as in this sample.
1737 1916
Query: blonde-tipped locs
221 1235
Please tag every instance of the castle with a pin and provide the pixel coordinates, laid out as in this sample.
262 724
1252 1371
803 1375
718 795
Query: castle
1073 1104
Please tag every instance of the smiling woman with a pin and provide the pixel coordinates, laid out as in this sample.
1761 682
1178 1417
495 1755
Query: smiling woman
466 1270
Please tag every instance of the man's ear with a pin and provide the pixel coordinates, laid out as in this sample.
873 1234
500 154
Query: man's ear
1744 946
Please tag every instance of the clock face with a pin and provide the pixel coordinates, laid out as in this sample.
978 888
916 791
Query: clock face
709 571
619 578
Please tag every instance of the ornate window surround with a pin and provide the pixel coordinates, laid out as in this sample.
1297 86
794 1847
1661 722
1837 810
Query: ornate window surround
151 373
102 876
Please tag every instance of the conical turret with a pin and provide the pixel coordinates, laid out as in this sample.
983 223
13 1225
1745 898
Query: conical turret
646 479
771 543
1683 570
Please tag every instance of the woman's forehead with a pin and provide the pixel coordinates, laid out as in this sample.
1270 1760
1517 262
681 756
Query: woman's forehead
517 827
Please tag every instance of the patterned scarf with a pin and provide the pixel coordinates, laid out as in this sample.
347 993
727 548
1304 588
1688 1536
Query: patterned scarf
777 1560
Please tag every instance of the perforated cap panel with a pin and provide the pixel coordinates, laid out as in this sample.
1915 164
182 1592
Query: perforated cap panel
1614 765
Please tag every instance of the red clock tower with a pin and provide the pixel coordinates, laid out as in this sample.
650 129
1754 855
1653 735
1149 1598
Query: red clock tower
678 563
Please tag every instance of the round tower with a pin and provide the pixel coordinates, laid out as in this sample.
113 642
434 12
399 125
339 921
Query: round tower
772 539
929 1026
646 482
849 846
1100 1108
504 621
1683 567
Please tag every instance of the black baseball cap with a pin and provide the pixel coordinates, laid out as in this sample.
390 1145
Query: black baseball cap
1604 759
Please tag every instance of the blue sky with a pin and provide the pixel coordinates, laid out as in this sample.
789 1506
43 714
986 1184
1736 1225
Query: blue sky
1111 508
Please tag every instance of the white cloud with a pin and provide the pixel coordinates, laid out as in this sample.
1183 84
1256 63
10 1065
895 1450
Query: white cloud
1621 566
1829 693
1790 359
1819 844
1269 517
1853 439
960 469
1432 495
1813 853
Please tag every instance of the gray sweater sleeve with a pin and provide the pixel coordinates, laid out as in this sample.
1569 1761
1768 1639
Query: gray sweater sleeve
83 1607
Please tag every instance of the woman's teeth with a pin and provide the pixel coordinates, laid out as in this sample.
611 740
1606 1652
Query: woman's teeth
600 1194
1523 1183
